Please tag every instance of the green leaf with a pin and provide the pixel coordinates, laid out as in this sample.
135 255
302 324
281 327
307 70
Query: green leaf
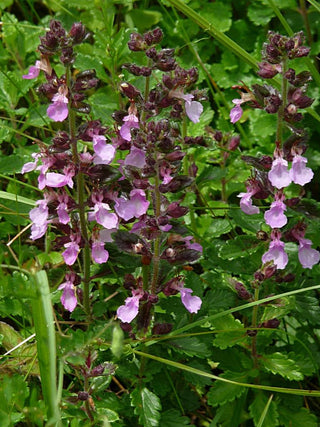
173 418
259 13
278 309
218 14
218 227
147 406
290 418
229 339
222 393
307 303
279 363
190 346
257 408
239 247
144 19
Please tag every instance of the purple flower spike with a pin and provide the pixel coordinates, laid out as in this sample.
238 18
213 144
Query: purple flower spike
191 302
104 153
130 121
308 257
276 254
275 216
72 249
126 313
279 175
68 298
246 203
33 72
135 207
58 110
99 253
299 173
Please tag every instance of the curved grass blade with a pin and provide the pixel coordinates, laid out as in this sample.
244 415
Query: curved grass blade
315 4
15 198
46 346
265 411
294 391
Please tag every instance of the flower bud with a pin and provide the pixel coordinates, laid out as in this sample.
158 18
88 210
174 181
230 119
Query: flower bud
161 328
77 32
83 396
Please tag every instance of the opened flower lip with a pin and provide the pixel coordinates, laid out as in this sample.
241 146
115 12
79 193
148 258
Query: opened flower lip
136 206
99 254
58 111
276 253
275 216
193 109
104 153
127 312
279 175
246 203
34 70
300 173
308 257
130 121
236 114
68 297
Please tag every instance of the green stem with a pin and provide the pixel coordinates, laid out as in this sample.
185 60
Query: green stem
284 90
254 325
156 249
81 206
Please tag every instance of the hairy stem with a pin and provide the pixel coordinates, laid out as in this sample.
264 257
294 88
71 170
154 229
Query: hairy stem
284 93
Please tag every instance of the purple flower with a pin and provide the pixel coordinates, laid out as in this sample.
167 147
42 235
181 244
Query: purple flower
104 153
72 249
136 158
57 180
39 217
135 207
246 203
31 166
101 213
105 235
236 112
62 209
99 253
58 110
299 173
308 257
68 297
276 253
33 72
193 108
275 216
191 302
195 246
279 175
127 312
130 121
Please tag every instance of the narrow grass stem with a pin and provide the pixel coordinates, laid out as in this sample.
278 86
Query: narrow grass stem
254 325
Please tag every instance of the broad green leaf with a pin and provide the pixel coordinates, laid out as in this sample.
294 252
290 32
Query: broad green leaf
147 406
173 418
279 363
222 393
144 19
225 339
189 346
278 309
239 247
290 418
218 14
308 304
218 227
257 408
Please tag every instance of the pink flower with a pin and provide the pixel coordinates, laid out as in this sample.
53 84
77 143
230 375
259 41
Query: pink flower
130 121
299 173
275 216
127 312
99 253
58 110
57 180
72 250
246 203
101 213
135 207
236 112
62 209
136 158
104 153
193 108
39 217
68 298
276 253
31 166
191 302
195 246
33 72
279 175
308 257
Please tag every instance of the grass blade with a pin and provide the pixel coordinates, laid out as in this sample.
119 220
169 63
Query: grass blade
46 346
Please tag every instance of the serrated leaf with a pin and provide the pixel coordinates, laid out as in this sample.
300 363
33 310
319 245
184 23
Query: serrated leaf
278 310
279 363
239 247
173 418
221 392
218 227
228 339
303 417
218 14
189 346
258 406
308 304
147 406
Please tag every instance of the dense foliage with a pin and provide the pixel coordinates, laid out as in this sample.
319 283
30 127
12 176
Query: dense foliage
160 213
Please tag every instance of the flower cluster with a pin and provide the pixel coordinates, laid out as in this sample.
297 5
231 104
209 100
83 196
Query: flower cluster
85 217
273 178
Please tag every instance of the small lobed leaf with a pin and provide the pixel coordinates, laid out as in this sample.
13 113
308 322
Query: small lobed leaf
222 392
147 406
239 247
290 418
173 418
278 363
189 346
